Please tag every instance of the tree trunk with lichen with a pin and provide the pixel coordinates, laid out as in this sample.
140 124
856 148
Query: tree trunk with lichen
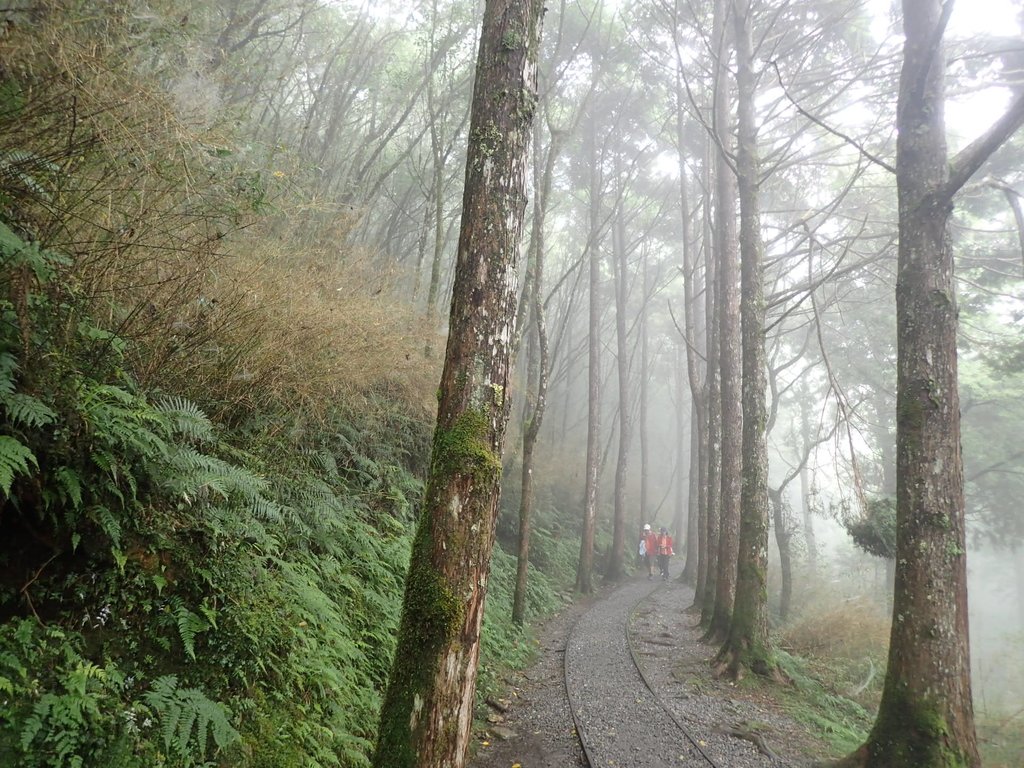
728 301
926 717
428 706
747 646
704 598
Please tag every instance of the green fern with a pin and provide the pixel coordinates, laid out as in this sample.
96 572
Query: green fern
69 486
188 719
27 410
186 419
15 459
8 367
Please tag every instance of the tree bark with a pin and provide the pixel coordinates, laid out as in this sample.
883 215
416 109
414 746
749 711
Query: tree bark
748 645
705 598
729 346
926 716
427 711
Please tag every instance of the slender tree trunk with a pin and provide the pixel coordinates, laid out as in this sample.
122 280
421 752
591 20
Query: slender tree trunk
729 350
427 711
537 376
693 495
617 560
783 539
713 471
585 569
644 382
696 378
805 486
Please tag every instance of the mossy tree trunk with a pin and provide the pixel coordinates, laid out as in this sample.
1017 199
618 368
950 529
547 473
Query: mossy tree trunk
926 717
727 256
747 646
705 597
428 706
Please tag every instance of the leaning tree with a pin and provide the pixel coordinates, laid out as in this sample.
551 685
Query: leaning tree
428 707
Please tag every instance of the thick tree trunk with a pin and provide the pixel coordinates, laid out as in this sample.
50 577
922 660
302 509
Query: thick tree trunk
428 706
729 347
926 717
748 646
585 568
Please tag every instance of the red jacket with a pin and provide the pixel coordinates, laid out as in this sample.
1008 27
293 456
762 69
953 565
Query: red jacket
651 543
664 544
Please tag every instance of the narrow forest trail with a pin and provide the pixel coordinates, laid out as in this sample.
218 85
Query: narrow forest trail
627 673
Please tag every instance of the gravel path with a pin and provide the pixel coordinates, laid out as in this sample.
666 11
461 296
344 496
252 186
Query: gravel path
620 721
624 723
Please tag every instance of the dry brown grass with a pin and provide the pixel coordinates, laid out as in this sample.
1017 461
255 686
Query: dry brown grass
848 629
234 287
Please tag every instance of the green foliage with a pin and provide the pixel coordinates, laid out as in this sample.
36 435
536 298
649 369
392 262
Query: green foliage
842 722
201 598
875 531
15 459
188 720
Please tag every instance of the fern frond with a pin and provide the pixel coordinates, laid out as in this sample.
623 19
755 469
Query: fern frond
8 367
69 486
14 460
190 625
187 419
27 410
188 719
108 523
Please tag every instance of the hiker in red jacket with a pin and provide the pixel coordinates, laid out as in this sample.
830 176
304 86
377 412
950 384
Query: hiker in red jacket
664 550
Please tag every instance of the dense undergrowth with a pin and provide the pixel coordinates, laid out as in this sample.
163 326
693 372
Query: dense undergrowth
212 436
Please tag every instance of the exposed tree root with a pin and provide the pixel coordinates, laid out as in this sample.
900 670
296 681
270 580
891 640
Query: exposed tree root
733 664
752 736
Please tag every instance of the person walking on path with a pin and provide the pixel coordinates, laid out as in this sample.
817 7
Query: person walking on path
664 550
649 546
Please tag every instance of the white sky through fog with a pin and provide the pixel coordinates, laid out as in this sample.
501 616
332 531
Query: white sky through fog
968 115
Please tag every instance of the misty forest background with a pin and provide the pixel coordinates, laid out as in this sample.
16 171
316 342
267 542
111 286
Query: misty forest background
227 234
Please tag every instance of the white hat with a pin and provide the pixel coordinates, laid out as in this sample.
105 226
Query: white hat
647 527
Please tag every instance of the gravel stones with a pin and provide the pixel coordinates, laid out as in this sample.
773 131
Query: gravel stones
590 648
